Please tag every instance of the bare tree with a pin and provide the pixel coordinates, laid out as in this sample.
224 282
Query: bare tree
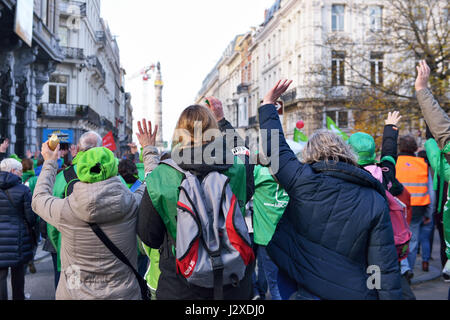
380 63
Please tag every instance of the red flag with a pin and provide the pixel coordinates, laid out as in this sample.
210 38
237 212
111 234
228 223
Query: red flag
108 142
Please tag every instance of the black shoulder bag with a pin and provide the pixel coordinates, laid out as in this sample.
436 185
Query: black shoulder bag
145 292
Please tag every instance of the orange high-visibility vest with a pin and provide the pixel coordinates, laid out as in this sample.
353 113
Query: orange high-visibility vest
412 172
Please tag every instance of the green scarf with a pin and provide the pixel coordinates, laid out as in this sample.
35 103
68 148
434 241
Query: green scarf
95 165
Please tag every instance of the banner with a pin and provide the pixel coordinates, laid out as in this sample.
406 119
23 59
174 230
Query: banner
108 142
64 136
331 125
23 23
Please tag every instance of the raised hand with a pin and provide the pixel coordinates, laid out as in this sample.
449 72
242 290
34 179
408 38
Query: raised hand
215 105
48 154
423 75
393 118
145 135
275 93
133 148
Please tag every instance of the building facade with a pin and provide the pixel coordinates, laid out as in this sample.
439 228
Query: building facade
328 48
86 91
25 68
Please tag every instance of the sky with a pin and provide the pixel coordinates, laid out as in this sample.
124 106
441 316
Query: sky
186 37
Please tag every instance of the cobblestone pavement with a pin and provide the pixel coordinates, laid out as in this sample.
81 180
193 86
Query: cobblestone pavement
425 285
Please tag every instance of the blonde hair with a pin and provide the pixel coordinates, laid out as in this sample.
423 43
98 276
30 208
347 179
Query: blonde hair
325 145
191 121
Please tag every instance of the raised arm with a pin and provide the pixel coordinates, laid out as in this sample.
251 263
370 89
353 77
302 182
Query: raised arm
44 203
436 118
147 139
284 163
238 145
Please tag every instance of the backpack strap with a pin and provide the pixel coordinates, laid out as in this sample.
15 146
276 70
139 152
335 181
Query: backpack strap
136 186
145 292
71 179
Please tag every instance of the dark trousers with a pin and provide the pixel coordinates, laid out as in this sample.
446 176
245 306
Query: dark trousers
440 228
17 283
55 269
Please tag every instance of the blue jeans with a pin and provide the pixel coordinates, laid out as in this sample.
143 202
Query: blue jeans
426 230
404 266
416 221
271 272
258 276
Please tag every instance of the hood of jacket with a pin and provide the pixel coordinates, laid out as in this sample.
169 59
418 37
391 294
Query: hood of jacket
349 173
95 165
8 180
102 202
213 156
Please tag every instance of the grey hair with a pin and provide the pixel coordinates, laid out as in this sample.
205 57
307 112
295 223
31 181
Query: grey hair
10 164
90 140
325 145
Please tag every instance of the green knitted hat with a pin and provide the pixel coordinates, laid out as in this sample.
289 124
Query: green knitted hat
364 146
97 164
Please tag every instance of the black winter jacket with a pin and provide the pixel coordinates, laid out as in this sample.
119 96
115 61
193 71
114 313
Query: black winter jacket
336 228
15 240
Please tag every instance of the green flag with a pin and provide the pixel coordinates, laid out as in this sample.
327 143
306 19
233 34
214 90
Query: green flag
299 136
331 125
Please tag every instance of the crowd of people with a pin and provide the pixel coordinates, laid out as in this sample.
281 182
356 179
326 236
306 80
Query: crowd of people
214 220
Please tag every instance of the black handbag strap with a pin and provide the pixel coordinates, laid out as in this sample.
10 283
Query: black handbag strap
116 251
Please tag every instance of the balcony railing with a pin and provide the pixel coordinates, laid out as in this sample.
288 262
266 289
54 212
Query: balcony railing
242 88
97 65
100 37
73 53
55 110
72 8
252 121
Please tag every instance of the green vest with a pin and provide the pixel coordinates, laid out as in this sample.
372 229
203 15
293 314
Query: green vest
163 184
269 203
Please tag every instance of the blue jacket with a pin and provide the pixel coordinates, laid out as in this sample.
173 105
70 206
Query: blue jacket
335 226
15 240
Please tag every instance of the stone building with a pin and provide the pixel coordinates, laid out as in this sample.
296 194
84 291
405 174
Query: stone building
25 67
326 47
86 91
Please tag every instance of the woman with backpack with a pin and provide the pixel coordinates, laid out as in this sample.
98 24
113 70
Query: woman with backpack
398 197
335 239
202 177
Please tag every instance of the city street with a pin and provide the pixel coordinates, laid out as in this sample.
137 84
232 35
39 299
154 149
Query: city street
426 285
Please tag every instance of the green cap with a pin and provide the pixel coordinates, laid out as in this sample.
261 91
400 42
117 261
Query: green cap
364 146
97 164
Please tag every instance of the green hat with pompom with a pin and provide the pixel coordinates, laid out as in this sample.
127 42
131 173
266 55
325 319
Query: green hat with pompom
97 164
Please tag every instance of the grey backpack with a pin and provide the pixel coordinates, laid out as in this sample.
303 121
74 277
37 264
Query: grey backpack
212 244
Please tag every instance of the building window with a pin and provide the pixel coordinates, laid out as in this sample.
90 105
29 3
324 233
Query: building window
57 89
338 68
337 17
64 37
339 117
376 68
376 18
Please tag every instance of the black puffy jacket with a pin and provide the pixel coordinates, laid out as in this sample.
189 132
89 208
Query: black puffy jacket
15 240
335 229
